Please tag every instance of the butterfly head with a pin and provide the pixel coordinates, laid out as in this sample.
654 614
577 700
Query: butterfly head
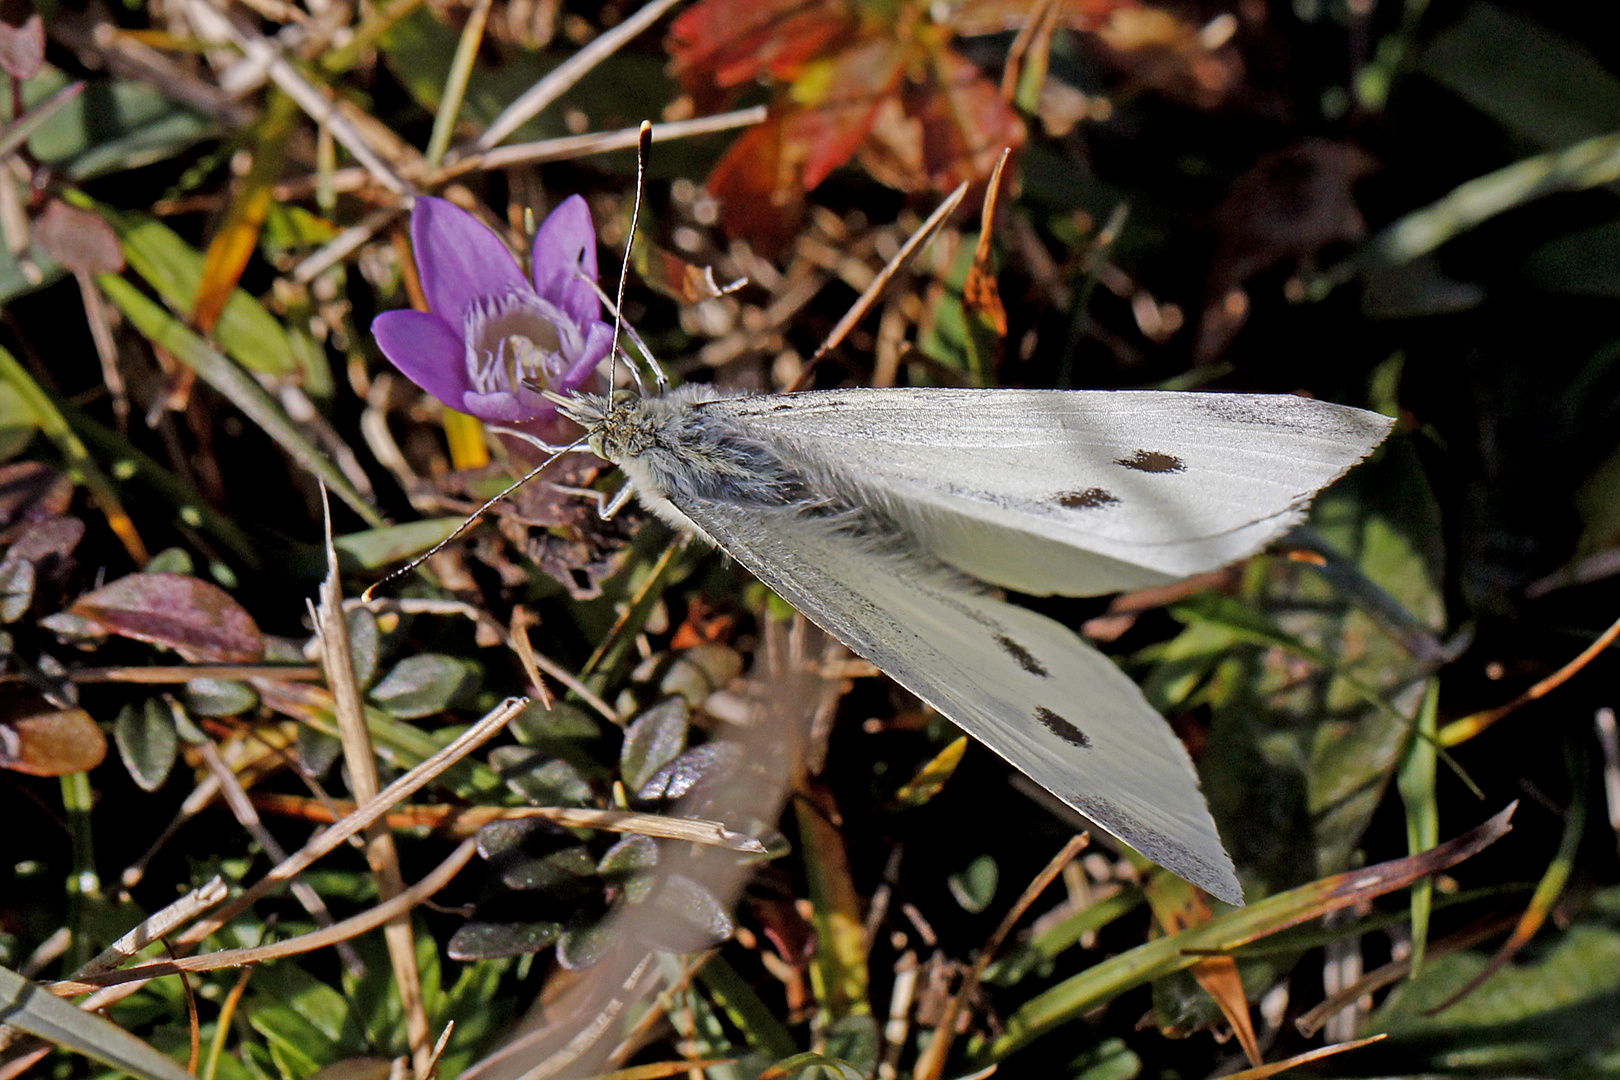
614 424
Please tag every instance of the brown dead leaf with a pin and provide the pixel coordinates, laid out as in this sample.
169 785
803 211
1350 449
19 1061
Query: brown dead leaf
196 619
78 239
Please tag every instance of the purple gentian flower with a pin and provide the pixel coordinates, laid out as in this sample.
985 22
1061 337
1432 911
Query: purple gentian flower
491 334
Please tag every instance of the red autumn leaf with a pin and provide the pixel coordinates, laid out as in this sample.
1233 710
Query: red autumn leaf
965 124
51 743
887 87
852 88
756 199
198 620
722 44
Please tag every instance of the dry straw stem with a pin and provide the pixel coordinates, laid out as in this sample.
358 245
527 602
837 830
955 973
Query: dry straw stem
326 840
566 148
333 631
242 809
160 674
1260 1072
570 71
158 925
464 821
216 26
342 931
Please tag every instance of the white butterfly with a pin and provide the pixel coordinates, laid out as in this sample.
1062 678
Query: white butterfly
882 514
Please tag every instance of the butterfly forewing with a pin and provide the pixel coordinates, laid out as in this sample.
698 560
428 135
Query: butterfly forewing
1071 492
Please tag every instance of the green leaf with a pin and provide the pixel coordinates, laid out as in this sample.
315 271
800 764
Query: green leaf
220 697
114 124
425 684
235 384
656 738
1416 783
542 782
365 644
1552 1015
1545 88
17 420
246 330
974 886
29 1007
380 547
147 742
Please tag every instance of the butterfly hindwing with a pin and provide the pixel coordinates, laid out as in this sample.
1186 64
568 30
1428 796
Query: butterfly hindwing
1024 685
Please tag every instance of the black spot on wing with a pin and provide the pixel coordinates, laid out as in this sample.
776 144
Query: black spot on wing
1025 658
1060 727
1089 499
1153 461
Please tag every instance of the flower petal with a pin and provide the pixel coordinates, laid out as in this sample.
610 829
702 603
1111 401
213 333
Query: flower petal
429 353
597 343
565 249
505 408
459 259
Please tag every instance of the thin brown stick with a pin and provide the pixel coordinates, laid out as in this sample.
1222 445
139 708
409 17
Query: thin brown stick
522 619
1459 731
341 931
159 674
864 302
931 1062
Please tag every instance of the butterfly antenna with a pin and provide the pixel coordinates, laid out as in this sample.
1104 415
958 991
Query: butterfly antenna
472 519
864 302
643 144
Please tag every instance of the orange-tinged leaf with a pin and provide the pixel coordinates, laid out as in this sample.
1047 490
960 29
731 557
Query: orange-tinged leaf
668 273
980 292
52 743
1180 906
234 244
228 255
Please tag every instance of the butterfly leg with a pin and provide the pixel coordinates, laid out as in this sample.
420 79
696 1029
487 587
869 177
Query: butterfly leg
605 507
